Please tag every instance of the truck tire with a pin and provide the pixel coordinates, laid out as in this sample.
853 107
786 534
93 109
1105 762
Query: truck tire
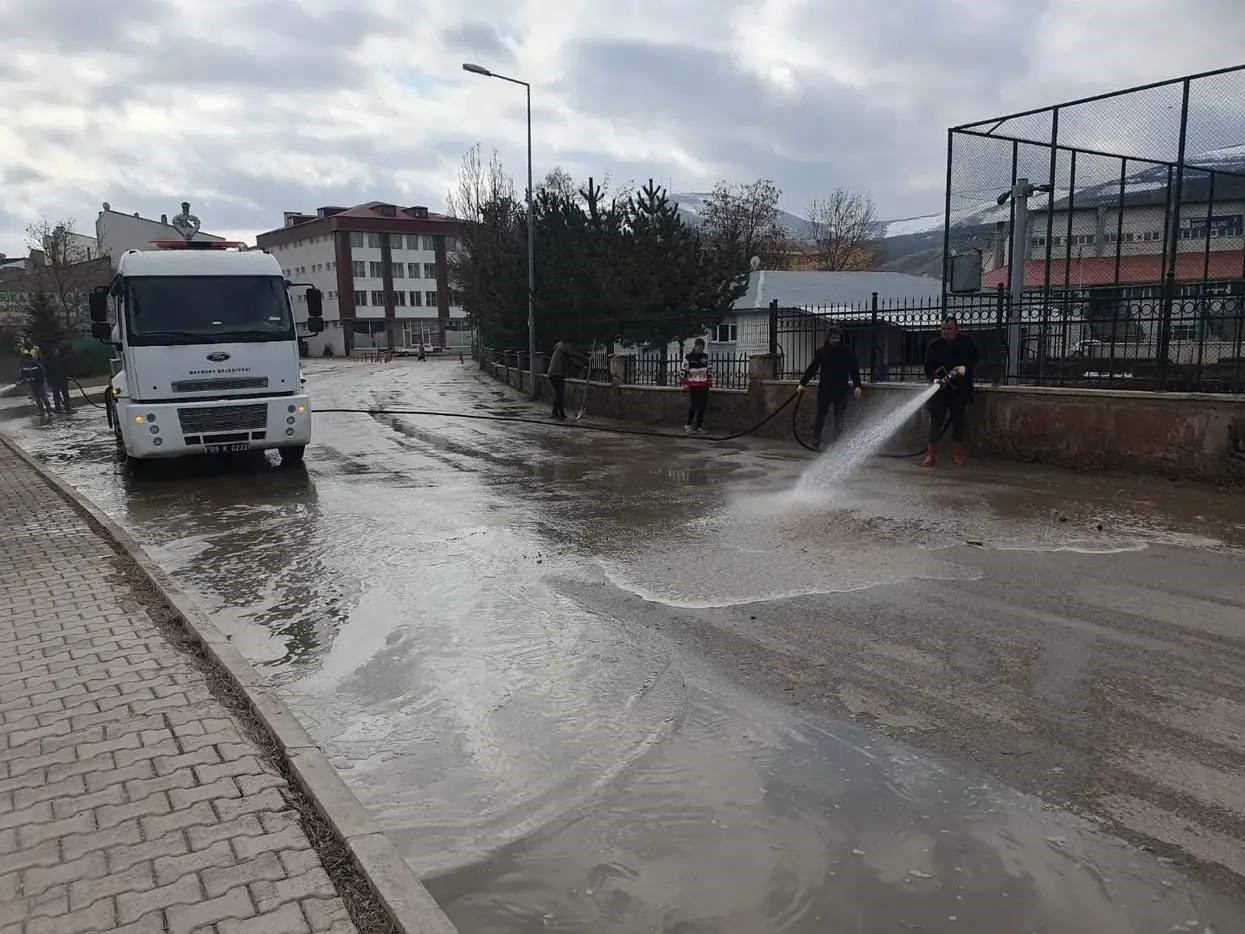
292 456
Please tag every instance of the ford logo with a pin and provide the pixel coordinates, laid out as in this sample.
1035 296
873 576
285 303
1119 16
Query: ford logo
219 357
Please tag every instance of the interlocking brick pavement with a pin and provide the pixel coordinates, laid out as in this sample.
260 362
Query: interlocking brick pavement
130 797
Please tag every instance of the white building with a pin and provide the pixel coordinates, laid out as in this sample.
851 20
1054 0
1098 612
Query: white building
116 232
383 273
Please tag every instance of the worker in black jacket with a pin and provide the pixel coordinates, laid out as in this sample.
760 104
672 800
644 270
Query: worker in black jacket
837 365
949 360
58 379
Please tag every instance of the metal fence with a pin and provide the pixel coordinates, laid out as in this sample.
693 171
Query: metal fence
1174 336
1121 216
729 370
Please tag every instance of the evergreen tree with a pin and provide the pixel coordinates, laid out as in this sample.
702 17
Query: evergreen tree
44 326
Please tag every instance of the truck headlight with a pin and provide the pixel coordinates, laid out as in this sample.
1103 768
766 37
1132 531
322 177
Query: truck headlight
155 429
138 419
289 419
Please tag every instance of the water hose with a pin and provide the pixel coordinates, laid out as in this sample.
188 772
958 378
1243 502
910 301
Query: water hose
87 398
561 424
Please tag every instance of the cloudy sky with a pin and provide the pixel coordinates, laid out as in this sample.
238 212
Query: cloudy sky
251 107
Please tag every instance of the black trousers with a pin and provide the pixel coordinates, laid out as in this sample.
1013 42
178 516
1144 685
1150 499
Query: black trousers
699 396
60 397
559 394
826 401
941 407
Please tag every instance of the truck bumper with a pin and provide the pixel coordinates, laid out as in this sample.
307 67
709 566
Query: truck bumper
179 429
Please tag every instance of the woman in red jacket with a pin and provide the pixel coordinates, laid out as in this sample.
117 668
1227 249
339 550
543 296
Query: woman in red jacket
697 379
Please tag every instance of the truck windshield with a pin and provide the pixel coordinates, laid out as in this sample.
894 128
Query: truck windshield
207 309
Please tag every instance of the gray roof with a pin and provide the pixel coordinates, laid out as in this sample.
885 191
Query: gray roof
799 289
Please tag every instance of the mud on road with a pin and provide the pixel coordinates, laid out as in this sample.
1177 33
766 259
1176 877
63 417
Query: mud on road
592 682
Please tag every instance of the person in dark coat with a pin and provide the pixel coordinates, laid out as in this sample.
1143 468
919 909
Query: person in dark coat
840 374
32 373
58 379
564 357
949 360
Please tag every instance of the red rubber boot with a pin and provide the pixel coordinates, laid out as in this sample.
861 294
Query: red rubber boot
931 456
957 455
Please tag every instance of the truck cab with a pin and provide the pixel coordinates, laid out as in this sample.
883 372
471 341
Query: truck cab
207 353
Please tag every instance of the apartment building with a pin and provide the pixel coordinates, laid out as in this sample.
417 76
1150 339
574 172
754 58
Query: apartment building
383 271
1120 233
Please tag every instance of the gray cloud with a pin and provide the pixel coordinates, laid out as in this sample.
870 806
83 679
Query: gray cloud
263 101
479 37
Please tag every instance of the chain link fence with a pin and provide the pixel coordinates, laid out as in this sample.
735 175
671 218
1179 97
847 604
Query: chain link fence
1134 226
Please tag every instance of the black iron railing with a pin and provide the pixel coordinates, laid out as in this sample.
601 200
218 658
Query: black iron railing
1167 336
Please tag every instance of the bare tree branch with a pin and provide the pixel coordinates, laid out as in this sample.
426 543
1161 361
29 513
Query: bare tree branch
844 228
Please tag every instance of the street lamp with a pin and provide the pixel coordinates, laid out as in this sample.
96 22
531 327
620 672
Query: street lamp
531 221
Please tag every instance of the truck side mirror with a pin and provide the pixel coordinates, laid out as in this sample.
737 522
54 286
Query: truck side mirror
98 305
315 325
315 304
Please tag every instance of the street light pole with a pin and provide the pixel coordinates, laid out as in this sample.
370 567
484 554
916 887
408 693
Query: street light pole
531 223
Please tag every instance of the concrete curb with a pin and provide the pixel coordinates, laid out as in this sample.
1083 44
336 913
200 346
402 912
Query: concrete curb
397 888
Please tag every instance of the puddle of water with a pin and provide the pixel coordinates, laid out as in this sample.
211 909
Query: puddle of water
752 822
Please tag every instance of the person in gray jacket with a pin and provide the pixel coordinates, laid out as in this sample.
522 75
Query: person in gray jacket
564 356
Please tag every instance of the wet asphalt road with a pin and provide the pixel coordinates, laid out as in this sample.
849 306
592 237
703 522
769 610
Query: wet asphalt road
599 683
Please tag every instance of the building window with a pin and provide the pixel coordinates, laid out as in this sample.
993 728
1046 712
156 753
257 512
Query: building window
456 299
399 270
430 299
417 299
373 241
329 265
414 270
412 242
378 298
399 299
1037 241
375 270
356 241
360 299
358 268
452 245
428 243
1056 241
430 270
725 333
1082 240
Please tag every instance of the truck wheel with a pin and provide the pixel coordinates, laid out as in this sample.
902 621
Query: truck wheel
292 457
116 431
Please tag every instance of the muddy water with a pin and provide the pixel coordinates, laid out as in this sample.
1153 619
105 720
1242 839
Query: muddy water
484 626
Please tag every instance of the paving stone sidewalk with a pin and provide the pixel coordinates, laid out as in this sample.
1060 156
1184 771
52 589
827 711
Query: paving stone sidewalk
130 798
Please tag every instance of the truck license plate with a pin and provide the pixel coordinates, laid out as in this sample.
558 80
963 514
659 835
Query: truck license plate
235 448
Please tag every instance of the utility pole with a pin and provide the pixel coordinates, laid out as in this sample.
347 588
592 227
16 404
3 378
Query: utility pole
1019 194
531 223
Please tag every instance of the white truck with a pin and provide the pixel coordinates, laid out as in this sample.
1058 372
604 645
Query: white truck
207 352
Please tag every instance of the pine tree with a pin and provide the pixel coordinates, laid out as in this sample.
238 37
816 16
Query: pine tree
44 326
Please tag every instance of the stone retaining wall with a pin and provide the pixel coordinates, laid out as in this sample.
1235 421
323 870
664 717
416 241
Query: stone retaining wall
1176 434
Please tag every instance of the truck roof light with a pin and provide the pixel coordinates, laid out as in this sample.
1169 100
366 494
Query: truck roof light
198 245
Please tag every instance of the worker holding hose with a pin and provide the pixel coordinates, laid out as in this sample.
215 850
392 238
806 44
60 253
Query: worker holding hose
949 361
563 358
839 370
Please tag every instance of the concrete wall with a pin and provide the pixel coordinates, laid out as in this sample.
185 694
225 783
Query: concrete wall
1174 434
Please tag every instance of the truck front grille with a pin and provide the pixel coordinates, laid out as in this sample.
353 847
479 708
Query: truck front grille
208 420
207 385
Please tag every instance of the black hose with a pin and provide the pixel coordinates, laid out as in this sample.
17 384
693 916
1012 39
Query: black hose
546 422
88 399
